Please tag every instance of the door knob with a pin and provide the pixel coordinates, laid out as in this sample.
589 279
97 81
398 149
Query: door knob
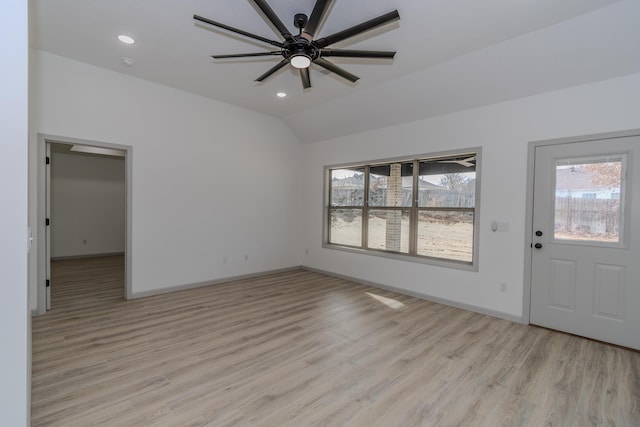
537 245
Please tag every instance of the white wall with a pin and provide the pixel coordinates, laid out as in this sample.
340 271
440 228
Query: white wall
209 180
15 330
87 205
503 131
212 181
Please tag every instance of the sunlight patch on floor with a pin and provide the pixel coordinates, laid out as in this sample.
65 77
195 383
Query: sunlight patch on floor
395 304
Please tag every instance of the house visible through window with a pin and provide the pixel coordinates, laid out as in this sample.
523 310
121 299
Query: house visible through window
589 202
422 208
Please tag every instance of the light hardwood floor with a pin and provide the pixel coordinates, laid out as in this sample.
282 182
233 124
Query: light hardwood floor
304 349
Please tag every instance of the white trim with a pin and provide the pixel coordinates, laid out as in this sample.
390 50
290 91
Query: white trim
43 139
462 306
441 262
443 301
528 229
100 255
187 286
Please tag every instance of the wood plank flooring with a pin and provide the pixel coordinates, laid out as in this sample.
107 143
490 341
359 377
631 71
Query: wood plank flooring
303 349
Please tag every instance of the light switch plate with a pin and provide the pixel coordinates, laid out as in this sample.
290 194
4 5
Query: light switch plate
503 226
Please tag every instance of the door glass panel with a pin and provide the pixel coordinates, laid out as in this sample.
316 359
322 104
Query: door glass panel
589 195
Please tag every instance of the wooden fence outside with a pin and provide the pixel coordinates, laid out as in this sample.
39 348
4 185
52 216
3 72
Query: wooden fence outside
587 216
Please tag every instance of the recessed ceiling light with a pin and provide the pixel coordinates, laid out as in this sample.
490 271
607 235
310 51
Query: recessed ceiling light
281 94
126 39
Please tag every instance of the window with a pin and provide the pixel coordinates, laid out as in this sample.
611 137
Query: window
347 203
420 209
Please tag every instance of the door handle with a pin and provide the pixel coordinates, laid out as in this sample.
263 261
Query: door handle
537 245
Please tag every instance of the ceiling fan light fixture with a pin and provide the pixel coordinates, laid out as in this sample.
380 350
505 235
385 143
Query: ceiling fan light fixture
300 61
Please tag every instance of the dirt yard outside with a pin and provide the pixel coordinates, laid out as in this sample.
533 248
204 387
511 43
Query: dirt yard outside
439 237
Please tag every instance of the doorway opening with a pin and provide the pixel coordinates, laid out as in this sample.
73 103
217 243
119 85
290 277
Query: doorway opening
84 211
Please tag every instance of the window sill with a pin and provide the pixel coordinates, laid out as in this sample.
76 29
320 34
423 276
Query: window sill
458 265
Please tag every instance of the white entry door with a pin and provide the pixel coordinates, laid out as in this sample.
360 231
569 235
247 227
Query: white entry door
585 276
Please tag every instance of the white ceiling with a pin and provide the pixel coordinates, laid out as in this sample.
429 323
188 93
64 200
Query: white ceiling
452 54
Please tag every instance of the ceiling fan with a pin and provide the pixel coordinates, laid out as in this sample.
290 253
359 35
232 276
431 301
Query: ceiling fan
302 50
467 162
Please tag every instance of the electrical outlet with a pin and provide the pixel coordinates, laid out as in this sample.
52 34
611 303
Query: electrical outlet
84 241
306 251
246 257
503 287
225 260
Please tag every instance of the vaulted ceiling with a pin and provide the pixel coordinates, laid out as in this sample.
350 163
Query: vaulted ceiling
452 54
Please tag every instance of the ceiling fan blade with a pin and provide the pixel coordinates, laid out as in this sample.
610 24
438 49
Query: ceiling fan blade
464 163
357 29
237 31
272 70
345 53
306 79
247 55
271 15
319 10
335 69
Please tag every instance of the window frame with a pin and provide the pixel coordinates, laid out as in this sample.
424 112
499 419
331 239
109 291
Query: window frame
414 211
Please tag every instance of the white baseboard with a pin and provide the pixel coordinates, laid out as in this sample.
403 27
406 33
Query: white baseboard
444 301
69 257
184 287
456 304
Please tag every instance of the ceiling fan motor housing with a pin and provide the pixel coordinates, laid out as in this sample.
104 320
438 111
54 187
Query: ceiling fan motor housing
300 46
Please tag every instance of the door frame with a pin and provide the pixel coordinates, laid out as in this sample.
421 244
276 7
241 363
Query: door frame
42 255
528 229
